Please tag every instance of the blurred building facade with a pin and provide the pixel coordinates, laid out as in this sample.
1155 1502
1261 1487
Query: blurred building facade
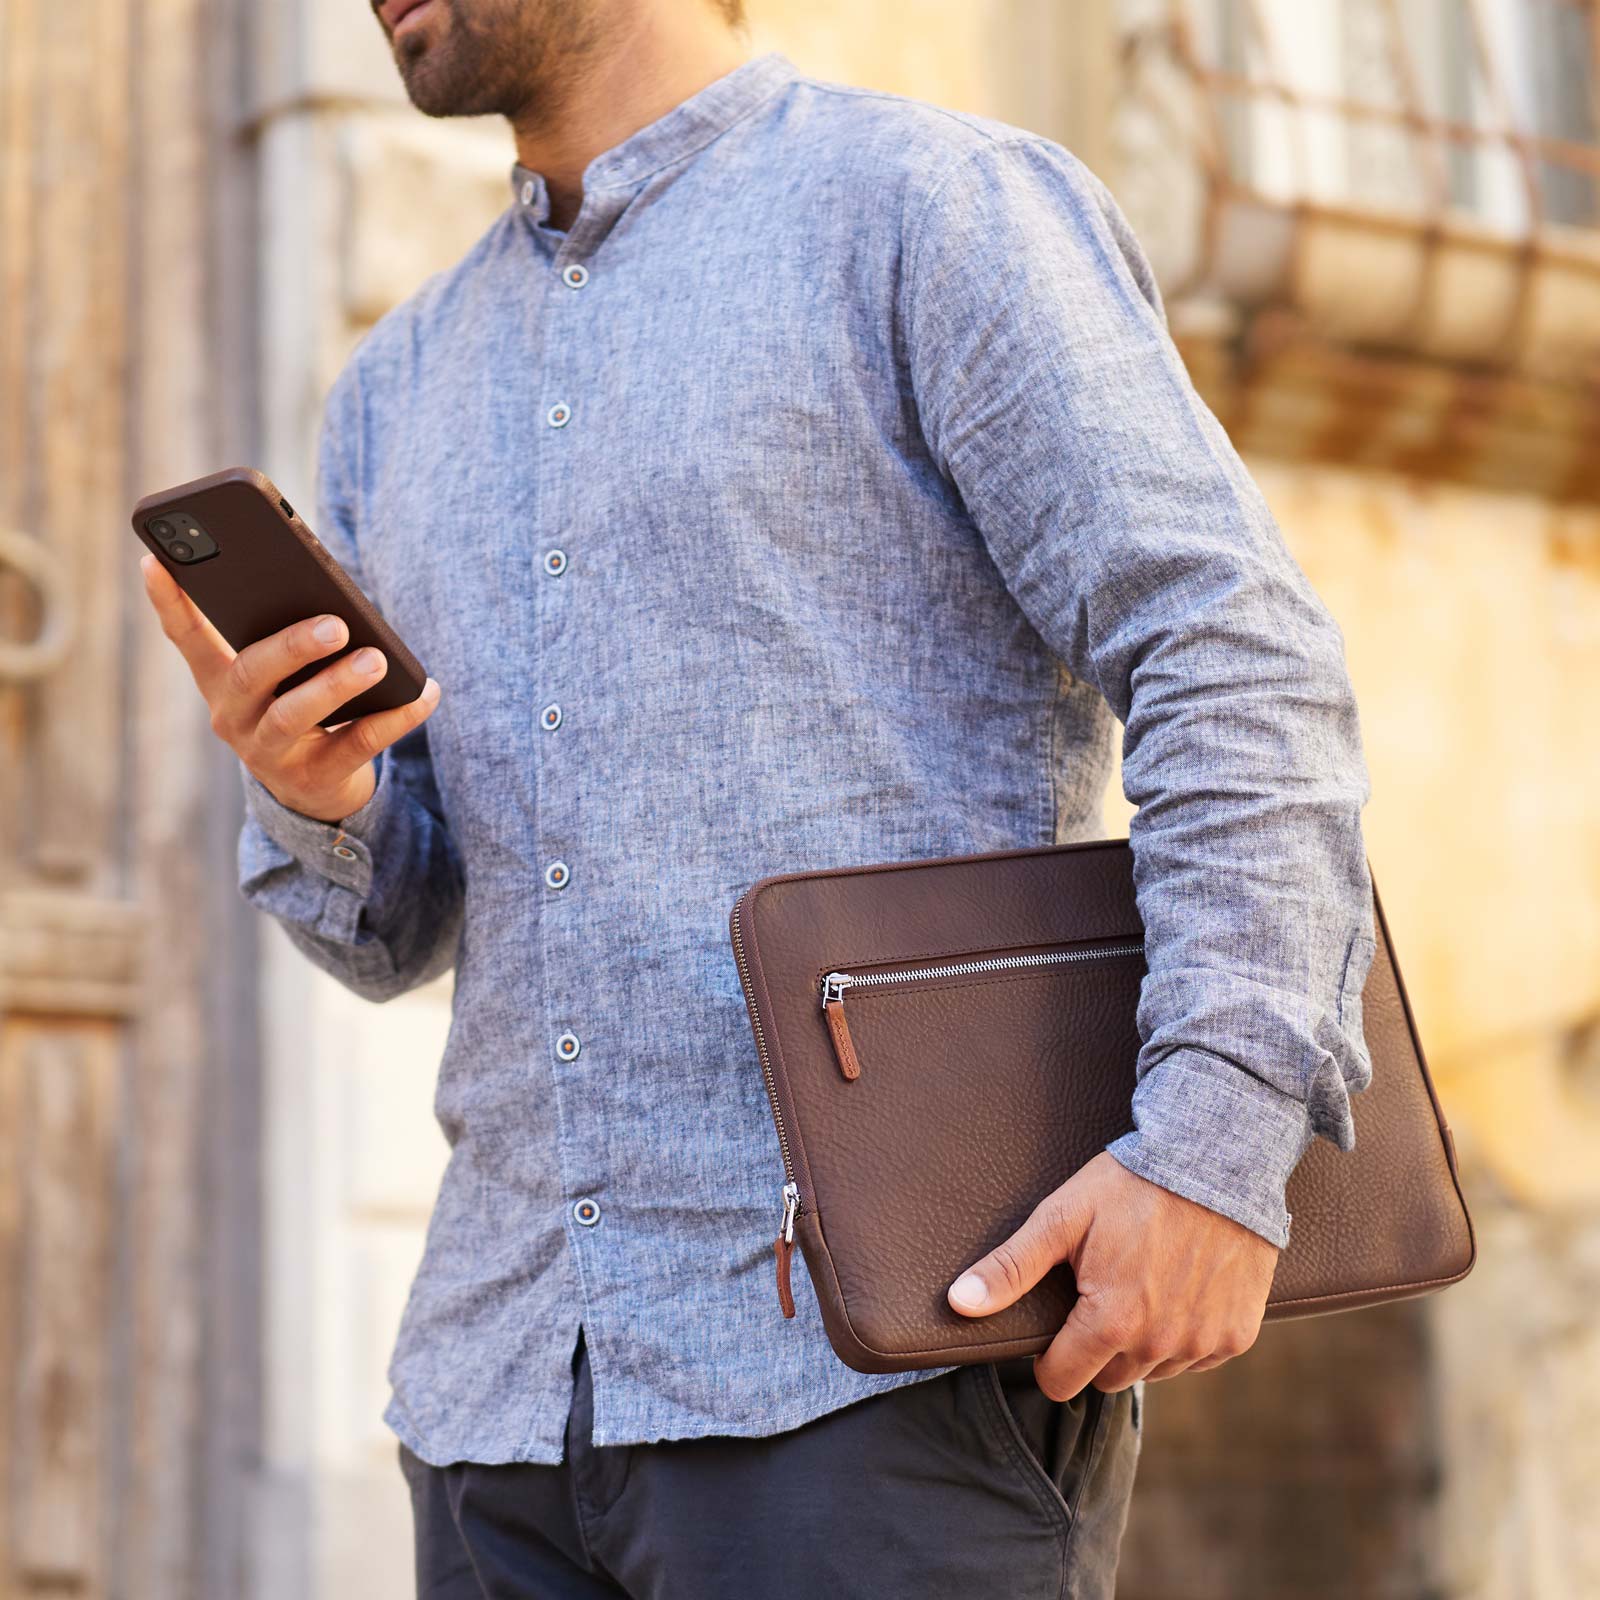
1377 226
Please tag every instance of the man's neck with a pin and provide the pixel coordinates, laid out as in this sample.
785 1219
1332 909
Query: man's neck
613 95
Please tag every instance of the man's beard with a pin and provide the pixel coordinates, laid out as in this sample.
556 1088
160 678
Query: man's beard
494 57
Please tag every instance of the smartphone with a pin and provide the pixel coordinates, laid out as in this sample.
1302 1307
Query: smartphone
237 549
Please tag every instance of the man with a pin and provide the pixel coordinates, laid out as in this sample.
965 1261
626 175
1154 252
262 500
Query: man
791 476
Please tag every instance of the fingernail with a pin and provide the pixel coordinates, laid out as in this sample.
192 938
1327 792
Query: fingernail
146 561
329 631
969 1290
430 690
366 662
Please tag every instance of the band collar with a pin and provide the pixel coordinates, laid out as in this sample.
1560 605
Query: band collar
689 126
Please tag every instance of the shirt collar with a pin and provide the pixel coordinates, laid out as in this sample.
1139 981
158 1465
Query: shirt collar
689 126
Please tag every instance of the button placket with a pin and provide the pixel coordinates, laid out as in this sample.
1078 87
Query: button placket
564 990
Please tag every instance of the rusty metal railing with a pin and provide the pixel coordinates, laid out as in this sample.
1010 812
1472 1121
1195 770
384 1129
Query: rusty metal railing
1414 175
1523 72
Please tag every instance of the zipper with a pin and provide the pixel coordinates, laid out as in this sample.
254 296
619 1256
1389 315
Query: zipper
835 984
783 1245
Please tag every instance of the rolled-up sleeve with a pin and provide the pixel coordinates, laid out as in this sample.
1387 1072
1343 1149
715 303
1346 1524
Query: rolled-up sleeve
1135 540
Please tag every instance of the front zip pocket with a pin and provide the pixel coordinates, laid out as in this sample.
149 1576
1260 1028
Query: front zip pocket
835 984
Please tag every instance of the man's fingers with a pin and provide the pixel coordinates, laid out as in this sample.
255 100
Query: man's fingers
258 669
1170 1369
1010 1270
206 651
358 742
295 712
1077 1355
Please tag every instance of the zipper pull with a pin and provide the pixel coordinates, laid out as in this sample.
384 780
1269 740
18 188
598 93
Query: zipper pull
783 1245
833 988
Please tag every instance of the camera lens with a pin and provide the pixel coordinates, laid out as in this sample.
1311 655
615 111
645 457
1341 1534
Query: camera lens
161 529
179 551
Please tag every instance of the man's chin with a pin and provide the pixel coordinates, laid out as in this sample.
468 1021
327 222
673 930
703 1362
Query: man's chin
421 53
430 84
447 68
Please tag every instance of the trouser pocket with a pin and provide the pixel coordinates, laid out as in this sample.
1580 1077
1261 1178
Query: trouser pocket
1054 1443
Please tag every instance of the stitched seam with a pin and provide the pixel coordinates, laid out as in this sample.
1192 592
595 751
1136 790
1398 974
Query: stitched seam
1028 1465
1052 783
1097 1448
911 251
1014 139
920 228
779 878
1026 1344
1380 1288
1344 977
1032 1469
961 118
1097 1445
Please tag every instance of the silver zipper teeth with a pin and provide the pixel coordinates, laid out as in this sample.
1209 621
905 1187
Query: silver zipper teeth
964 969
761 1044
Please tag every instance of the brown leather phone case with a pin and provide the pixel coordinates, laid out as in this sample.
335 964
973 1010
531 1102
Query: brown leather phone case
981 1051
270 570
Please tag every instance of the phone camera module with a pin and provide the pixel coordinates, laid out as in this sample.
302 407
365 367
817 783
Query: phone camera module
181 538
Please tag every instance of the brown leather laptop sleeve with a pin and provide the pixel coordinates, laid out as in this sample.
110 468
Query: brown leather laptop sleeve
980 1050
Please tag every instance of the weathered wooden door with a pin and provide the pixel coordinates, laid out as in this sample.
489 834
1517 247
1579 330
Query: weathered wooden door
126 1128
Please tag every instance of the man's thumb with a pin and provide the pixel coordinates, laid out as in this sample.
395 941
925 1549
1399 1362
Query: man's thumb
1011 1269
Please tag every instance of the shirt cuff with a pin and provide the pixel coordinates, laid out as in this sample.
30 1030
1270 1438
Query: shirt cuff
1207 1130
338 851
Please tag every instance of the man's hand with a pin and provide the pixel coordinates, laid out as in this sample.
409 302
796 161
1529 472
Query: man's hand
320 772
1164 1285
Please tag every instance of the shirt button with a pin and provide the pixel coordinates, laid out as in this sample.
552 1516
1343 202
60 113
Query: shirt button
559 415
527 191
344 852
575 276
555 562
556 875
567 1046
587 1212
550 718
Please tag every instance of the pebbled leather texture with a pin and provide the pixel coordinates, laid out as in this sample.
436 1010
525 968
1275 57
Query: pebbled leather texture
980 1094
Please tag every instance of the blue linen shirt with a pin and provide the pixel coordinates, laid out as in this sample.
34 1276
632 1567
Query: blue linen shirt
816 499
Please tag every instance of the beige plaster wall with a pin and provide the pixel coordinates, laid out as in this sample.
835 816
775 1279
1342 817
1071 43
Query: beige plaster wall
1472 625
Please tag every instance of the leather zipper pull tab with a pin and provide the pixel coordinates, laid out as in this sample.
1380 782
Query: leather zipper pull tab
785 1251
783 1247
838 1029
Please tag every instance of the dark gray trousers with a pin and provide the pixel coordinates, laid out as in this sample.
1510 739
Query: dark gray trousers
971 1484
